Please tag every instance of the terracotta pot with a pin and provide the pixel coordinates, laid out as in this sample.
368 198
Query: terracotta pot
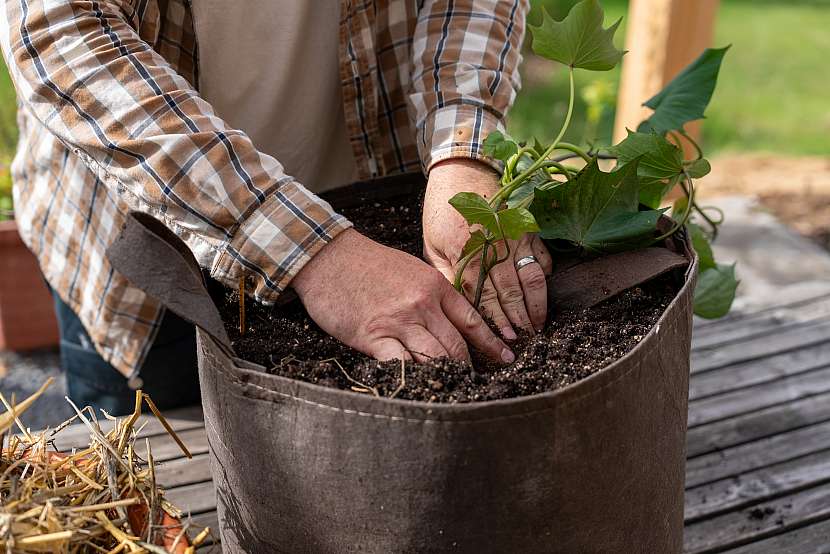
27 316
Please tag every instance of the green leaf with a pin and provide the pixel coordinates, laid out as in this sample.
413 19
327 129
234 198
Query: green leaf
698 168
516 222
652 192
700 242
475 210
499 147
715 291
523 195
579 40
476 240
686 97
596 211
659 159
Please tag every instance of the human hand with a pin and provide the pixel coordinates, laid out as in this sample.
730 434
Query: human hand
390 305
512 298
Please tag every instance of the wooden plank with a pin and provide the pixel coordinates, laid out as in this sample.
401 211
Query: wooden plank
757 397
705 326
183 471
194 499
758 454
756 486
771 324
663 36
787 340
757 425
77 435
812 539
758 522
755 372
165 448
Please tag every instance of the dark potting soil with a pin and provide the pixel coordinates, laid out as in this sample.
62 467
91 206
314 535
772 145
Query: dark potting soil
572 346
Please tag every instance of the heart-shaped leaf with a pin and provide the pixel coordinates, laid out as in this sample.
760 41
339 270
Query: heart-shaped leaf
499 147
698 169
517 222
659 159
686 97
475 209
701 245
579 40
715 291
596 211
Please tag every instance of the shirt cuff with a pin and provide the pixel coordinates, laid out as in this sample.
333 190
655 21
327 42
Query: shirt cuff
274 243
457 131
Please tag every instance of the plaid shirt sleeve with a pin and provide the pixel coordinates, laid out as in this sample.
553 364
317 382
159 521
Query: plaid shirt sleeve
466 55
81 69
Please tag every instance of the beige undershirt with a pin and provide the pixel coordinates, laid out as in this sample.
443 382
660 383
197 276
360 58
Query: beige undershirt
271 69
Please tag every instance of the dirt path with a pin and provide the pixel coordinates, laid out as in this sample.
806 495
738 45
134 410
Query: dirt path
796 190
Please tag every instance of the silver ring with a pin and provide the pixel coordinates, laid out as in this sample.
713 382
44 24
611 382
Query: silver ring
527 260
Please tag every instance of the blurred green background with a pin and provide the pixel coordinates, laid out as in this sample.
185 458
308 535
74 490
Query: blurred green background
773 94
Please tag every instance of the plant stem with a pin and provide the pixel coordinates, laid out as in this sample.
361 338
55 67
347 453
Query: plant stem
575 149
694 143
714 225
483 270
508 189
690 196
557 165
511 165
462 265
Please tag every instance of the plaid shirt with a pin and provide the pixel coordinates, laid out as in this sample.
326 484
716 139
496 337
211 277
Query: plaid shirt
111 121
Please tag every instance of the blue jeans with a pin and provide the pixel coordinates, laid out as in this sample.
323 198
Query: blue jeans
169 373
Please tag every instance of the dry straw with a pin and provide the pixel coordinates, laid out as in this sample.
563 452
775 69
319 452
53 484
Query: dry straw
98 499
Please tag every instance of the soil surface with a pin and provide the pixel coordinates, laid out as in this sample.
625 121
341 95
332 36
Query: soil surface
572 346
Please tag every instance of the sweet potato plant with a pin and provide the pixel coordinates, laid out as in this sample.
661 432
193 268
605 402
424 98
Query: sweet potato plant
591 211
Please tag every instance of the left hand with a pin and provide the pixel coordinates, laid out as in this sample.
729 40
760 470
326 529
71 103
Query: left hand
511 298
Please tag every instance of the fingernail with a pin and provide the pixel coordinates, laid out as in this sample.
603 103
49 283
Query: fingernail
507 356
508 333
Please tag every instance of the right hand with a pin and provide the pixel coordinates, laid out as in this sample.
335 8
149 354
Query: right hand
390 305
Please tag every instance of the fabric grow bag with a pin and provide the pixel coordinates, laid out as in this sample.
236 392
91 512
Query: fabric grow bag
597 466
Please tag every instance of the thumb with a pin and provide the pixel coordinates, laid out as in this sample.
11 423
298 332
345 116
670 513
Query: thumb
440 263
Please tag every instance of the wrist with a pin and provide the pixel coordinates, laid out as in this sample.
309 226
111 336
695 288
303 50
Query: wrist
455 175
319 268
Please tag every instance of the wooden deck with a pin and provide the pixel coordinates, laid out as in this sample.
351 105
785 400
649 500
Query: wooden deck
758 471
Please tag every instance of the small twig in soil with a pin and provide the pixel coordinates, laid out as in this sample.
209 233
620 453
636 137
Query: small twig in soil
365 387
403 380
242 305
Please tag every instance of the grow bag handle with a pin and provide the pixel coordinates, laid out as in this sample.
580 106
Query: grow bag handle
156 260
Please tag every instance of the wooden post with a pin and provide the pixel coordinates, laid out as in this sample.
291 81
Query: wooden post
663 37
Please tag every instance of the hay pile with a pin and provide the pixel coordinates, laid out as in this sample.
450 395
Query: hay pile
94 500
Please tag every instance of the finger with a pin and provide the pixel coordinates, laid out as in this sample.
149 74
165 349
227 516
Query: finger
510 293
534 287
449 337
388 349
542 255
470 323
490 307
422 344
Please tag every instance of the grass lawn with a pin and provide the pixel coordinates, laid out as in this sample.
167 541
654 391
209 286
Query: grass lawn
773 94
